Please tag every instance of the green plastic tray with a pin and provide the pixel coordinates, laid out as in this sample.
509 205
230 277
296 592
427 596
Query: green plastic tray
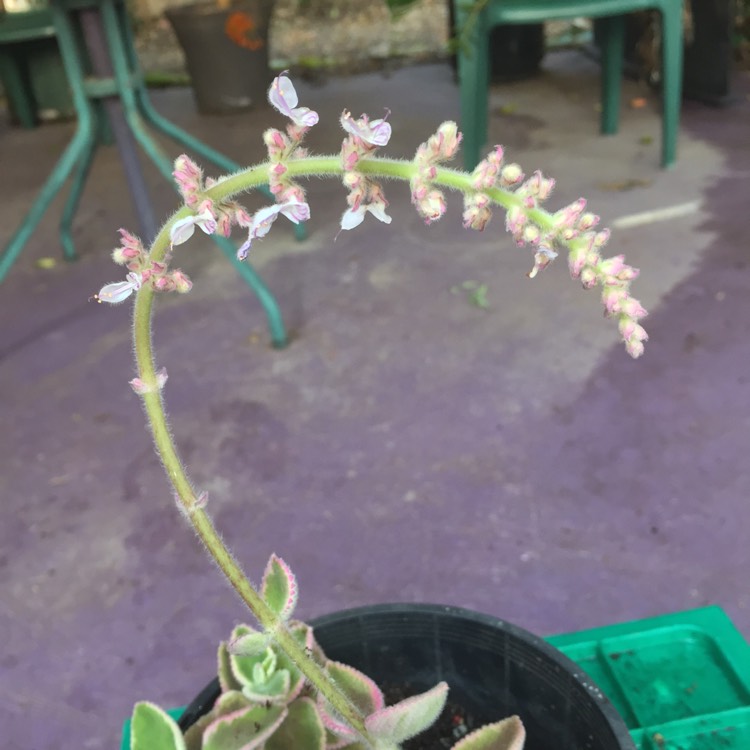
680 681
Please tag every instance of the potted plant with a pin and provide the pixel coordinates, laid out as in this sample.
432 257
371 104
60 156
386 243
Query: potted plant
284 683
226 51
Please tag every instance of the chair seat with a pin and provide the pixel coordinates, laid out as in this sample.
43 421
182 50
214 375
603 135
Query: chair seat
473 59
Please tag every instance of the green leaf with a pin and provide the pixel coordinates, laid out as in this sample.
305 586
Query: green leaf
227 680
360 689
154 729
302 729
507 734
397 723
279 587
275 687
243 730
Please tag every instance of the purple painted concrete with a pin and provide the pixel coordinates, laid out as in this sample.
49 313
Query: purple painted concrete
407 446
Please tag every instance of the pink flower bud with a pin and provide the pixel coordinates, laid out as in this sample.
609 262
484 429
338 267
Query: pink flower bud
601 238
531 234
182 283
576 261
450 138
510 175
633 308
612 266
588 277
476 216
515 220
430 204
587 221
612 296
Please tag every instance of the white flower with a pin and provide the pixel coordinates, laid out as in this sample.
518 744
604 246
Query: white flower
183 229
263 218
353 217
118 292
284 98
376 133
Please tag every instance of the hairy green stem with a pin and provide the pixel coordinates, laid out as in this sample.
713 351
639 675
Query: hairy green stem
227 188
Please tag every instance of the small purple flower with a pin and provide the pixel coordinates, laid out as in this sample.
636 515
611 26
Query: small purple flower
376 133
118 292
283 97
263 218
183 229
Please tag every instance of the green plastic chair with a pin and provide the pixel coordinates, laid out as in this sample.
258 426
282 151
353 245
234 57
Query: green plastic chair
473 59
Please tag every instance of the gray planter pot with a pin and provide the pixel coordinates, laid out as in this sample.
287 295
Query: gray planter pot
226 51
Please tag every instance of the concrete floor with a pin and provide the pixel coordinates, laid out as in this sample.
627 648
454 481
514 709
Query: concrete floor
408 445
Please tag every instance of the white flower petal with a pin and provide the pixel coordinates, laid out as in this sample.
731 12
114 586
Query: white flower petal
296 212
353 218
206 222
182 230
118 292
378 211
282 95
380 132
304 116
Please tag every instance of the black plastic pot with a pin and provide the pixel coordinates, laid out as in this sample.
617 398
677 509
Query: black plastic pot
226 51
494 669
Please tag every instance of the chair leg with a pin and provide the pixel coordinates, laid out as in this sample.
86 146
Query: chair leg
474 81
613 51
17 89
85 158
253 280
76 149
672 53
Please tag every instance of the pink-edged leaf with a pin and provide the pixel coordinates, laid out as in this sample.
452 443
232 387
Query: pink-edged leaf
227 680
301 730
243 667
508 734
152 727
249 643
275 688
279 587
398 723
359 688
243 730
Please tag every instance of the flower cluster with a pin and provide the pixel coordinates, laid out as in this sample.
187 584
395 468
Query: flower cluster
571 227
365 194
439 148
133 256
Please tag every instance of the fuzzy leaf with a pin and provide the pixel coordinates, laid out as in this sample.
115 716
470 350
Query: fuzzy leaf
303 634
243 730
403 720
362 691
243 667
507 734
302 729
279 587
274 688
227 703
154 729
227 680
248 641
